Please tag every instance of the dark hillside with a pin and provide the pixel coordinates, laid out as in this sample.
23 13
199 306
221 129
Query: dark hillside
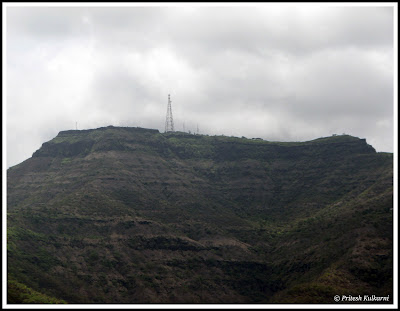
131 215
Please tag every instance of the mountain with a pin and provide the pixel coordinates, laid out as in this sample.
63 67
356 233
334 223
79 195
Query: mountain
131 215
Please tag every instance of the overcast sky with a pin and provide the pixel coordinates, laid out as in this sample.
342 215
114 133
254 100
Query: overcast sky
279 72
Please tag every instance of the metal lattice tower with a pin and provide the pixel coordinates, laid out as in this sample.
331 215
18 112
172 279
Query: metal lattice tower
169 121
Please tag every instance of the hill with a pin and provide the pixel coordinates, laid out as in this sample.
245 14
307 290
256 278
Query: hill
131 215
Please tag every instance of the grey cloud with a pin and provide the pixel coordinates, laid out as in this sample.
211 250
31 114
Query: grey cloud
277 72
291 31
45 22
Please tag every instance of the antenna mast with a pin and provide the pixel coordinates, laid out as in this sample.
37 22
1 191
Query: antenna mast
169 121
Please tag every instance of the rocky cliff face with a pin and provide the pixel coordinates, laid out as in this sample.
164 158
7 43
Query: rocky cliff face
130 215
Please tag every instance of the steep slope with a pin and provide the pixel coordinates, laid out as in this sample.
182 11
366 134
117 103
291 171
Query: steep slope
130 215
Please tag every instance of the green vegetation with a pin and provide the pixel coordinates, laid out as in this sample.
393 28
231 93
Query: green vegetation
131 215
18 293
